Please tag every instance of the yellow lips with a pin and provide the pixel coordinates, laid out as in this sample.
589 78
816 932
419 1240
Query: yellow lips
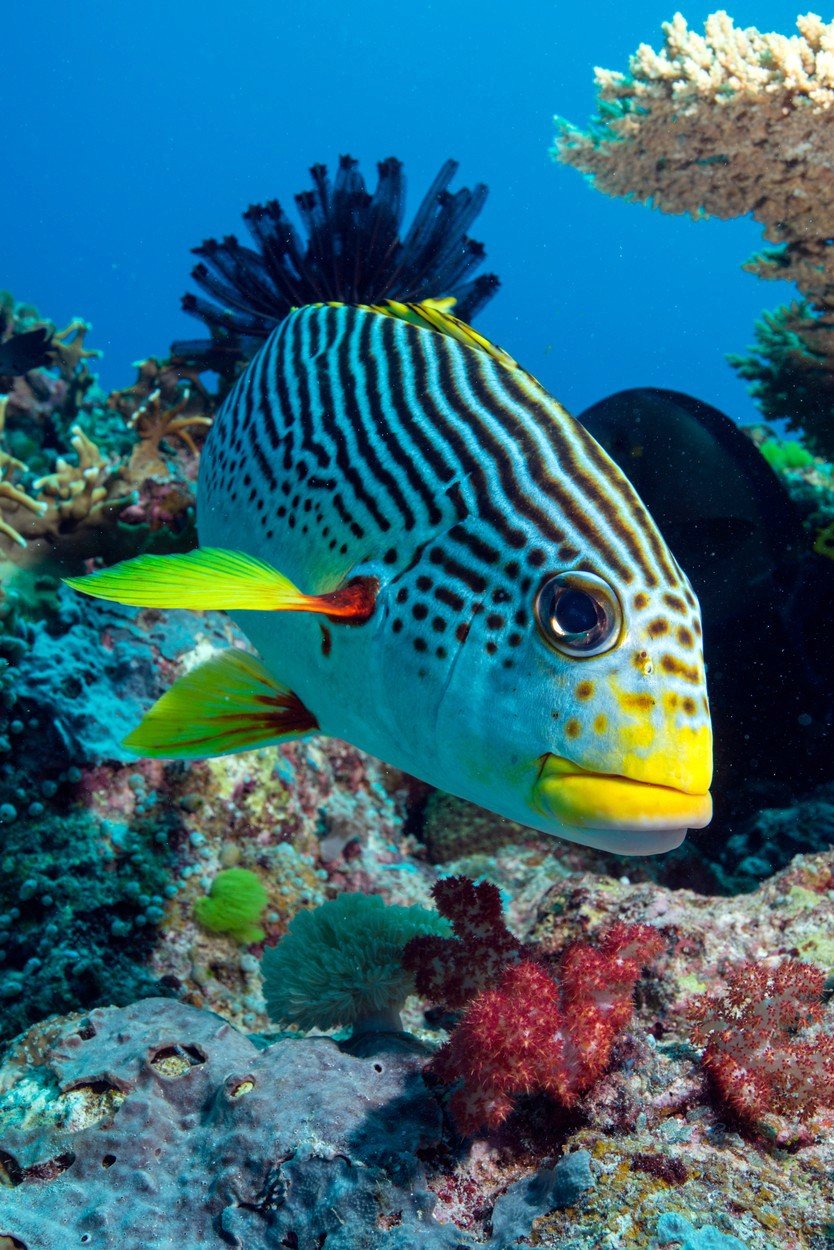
589 800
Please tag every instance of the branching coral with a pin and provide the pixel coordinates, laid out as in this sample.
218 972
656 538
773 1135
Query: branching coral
156 422
80 492
725 124
760 1065
68 348
525 1030
12 498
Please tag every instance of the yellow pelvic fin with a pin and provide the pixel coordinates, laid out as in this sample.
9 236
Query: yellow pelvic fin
433 314
230 703
212 577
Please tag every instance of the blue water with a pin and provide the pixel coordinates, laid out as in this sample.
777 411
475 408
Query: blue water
134 131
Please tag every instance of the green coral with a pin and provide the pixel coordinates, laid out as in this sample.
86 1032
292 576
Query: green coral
234 905
340 964
782 456
791 370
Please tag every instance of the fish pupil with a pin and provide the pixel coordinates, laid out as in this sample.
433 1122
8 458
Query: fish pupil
575 612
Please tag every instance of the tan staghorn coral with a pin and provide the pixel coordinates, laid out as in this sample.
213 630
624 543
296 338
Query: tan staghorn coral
156 421
67 347
12 499
725 124
80 492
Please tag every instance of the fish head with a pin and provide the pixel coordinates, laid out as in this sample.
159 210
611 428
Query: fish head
580 708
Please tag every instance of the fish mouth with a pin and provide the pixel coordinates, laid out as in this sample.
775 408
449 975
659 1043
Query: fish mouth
611 803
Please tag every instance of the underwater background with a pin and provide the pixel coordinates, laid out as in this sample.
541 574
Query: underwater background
296 997
134 141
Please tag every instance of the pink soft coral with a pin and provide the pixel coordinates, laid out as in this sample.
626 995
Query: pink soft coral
757 1063
524 1030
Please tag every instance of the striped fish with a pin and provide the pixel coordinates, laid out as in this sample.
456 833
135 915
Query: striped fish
436 563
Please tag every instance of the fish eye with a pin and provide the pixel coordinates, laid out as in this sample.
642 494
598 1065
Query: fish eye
578 614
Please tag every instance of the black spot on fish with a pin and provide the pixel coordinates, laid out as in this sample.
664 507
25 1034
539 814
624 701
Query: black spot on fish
419 611
420 644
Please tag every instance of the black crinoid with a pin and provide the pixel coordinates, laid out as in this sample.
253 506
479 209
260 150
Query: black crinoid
353 252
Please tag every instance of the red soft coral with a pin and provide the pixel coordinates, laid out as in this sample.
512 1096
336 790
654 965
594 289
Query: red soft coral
449 971
523 1031
757 1064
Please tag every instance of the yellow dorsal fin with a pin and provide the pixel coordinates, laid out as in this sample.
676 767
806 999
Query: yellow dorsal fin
212 577
434 314
230 703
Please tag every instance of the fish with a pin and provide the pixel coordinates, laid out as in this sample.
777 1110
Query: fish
434 561
22 352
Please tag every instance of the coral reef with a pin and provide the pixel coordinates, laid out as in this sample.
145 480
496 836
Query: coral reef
724 124
158 1124
83 473
303 1128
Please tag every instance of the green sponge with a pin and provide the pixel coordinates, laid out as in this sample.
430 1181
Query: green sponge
234 905
341 963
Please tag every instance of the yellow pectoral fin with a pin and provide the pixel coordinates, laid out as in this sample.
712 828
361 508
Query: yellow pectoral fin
230 703
212 577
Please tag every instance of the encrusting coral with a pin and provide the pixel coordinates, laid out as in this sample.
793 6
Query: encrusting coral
725 124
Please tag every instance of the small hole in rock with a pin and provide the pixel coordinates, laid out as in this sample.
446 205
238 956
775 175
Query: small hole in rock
108 1161
378 1067
173 1061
